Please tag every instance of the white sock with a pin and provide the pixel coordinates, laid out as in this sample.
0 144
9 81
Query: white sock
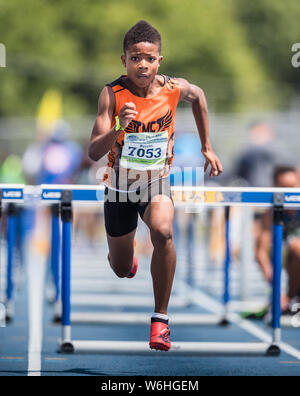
159 316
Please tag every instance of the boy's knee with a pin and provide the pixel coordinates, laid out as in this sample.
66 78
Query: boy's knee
161 235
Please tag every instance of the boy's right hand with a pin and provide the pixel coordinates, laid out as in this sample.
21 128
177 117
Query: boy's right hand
127 114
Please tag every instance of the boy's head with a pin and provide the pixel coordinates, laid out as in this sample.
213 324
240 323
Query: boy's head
142 46
286 176
142 31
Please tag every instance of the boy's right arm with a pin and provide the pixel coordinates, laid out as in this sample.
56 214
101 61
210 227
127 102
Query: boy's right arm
103 136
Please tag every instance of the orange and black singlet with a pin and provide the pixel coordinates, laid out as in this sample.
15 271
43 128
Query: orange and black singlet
144 151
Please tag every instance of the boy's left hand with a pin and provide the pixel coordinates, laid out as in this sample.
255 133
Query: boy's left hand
213 160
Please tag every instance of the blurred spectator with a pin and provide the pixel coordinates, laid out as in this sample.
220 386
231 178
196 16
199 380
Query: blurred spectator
11 173
255 165
55 160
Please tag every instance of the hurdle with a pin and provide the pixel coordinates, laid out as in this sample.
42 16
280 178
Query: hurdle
276 198
10 194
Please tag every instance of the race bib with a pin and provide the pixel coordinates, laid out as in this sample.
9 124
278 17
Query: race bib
144 150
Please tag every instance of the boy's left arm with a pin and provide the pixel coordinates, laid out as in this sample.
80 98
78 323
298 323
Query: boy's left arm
195 95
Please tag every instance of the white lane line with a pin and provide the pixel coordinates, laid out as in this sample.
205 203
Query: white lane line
207 302
36 273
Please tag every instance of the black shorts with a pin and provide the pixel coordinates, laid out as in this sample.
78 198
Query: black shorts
121 208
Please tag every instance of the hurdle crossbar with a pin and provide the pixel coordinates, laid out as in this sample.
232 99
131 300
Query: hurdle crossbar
208 196
13 193
177 348
132 318
119 300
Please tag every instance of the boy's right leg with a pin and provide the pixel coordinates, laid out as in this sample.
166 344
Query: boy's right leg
121 251
121 218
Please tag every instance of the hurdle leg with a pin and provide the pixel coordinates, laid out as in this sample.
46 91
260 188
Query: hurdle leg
226 295
278 201
11 242
55 255
66 215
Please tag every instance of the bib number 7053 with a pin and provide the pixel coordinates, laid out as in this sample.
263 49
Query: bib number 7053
148 153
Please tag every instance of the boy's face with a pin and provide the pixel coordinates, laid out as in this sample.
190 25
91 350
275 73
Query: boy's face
142 61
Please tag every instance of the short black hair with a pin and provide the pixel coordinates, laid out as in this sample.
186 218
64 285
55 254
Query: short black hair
141 31
280 170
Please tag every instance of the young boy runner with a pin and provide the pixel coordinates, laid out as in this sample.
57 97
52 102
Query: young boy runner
135 126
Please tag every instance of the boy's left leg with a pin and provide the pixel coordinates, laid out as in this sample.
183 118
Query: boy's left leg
159 216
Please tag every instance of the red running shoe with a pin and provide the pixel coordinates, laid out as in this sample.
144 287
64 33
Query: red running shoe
160 336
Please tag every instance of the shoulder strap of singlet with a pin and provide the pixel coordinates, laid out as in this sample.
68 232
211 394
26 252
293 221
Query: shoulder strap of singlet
171 80
116 85
167 78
